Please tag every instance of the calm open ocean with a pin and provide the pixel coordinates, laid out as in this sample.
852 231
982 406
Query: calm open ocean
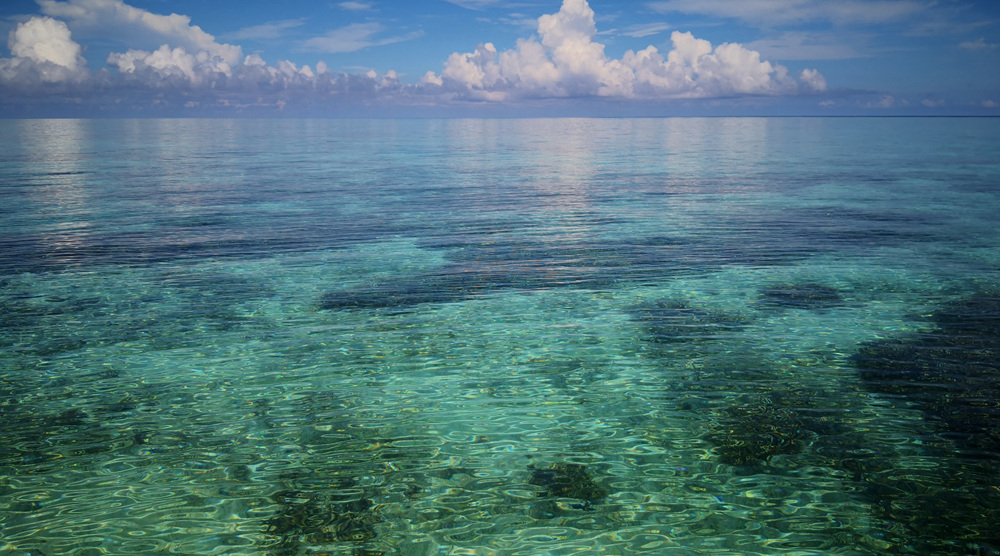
500 337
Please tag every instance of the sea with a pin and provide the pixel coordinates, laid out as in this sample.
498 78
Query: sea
500 337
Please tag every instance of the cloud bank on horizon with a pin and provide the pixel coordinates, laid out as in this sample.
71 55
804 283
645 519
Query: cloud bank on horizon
566 61
169 61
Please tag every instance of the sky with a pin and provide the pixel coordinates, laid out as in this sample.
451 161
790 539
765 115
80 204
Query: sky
498 58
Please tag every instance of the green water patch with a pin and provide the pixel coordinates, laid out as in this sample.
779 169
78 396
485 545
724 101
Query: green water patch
952 375
479 266
166 308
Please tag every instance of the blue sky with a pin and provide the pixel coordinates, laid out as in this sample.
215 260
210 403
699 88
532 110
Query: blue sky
108 58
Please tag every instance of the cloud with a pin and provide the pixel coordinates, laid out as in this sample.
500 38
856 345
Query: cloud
978 44
474 4
176 70
778 12
46 40
186 70
352 38
989 104
171 67
355 6
42 52
564 61
646 30
811 46
269 30
885 101
813 79
173 64
947 23
174 79
136 27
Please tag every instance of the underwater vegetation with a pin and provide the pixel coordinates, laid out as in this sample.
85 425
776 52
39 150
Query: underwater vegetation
567 480
754 428
807 295
564 480
816 229
313 518
751 433
34 434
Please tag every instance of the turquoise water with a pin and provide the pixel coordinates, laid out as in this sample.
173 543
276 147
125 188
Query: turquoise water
500 337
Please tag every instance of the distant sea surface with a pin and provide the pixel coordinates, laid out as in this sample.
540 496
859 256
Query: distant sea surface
500 337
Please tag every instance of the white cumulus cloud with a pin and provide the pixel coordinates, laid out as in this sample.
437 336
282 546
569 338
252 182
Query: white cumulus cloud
170 66
44 39
564 60
42 52
202 79
165 61
137 27
813 79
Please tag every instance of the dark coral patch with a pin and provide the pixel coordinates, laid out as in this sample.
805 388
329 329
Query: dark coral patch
448 286
952 373
669 321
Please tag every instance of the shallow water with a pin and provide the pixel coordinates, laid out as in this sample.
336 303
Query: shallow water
685 336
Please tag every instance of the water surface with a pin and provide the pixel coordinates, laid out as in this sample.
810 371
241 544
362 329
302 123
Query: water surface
685 336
